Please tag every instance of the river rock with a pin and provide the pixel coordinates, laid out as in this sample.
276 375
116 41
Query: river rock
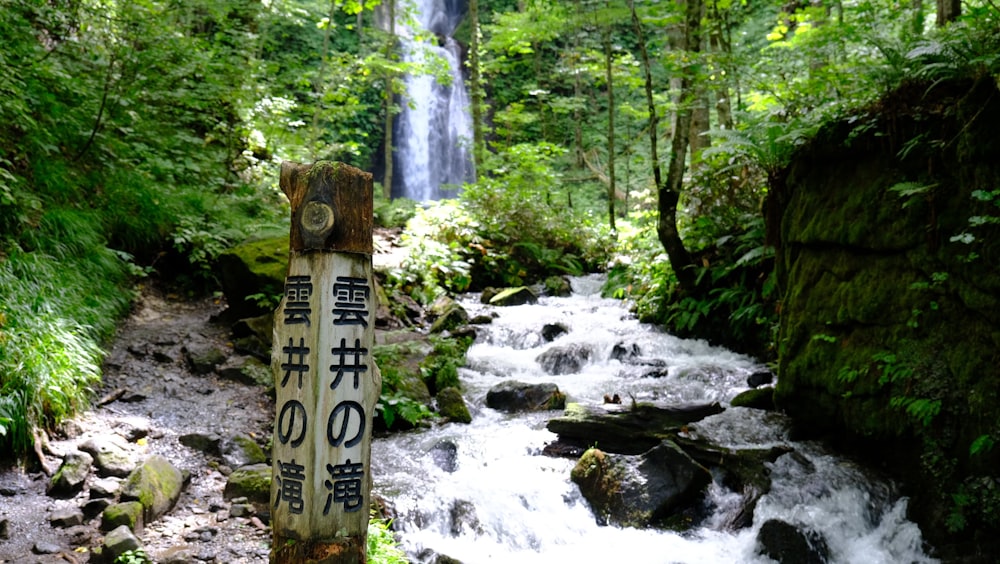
255 336
625 353
758 398
567 359
445 455
252 482
72 473
207 443
110 457
252 268
557 286
642 490
758 379
788 544
512 396
452 317
248 370
241 450
66 517
157 484
552 331
451 405
625 430
514 297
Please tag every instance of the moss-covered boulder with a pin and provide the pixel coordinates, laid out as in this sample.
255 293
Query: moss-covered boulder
449 317
252 482
650 489
254 268
72 473
890 317
757 398
156 484
451 405
241 450
128 513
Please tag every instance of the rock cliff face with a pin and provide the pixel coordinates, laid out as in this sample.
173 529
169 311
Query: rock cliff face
889 265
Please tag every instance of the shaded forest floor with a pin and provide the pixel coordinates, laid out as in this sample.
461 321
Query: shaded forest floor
150 397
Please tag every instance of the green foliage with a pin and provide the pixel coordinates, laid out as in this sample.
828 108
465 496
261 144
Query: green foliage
382 545
440 367
400 406
137 556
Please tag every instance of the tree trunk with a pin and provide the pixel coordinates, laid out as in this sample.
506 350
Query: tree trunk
475 89
389 149
611 128
669 193
948 11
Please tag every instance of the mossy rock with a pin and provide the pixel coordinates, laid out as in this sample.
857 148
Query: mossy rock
451 405
72 474
253 268
757 398
156 484
252 482
514 296
128 513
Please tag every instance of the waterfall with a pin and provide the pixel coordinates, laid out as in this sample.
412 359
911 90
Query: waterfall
434 130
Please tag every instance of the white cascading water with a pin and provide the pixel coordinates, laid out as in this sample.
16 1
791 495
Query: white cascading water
484 493
433 131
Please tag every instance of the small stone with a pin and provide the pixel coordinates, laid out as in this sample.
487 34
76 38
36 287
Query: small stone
105 487
95 507
241 510
46 547
118 542
66 517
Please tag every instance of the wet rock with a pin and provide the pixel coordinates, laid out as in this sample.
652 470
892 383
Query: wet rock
513 297
128 514
66 517
552 331
110 458
71 475
760 378
4 529
642 490
252 482
759 398
625 353
558 286
567 359
254 336
512 396
451 405
116 543
445 455
157 484
788 544
204 359
207 443
447 314
631 430
463 518
481 319
241 450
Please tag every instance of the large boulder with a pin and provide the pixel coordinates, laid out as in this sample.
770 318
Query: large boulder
512 396
254 268
156 484
787 544
640 490
252 482
72 474
565 359
631 430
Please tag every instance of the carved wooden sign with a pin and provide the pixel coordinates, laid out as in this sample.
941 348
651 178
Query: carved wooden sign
325 379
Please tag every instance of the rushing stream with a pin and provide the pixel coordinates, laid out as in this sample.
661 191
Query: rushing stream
484 492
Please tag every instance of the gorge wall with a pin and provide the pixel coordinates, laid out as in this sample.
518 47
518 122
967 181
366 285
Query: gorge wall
889 268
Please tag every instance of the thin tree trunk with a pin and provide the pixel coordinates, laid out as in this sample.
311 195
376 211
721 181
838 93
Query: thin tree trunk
389 149
476 90
611 128
668 194
948 11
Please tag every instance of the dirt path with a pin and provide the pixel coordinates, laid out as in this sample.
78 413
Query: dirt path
151 398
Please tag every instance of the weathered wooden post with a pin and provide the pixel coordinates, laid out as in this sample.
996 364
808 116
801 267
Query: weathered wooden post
326 381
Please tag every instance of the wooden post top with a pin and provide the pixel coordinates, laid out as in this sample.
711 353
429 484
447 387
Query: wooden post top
332 207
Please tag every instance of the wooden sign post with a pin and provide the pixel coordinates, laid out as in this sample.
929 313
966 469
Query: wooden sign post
326 381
